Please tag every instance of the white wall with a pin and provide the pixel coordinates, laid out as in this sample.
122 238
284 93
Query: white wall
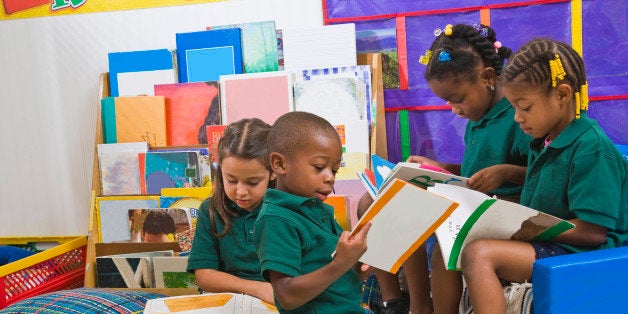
49 69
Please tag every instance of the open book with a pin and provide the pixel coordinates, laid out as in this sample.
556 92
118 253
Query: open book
479 216
218 303
422 175
403 216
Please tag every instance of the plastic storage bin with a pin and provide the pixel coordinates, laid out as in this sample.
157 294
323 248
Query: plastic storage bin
57 268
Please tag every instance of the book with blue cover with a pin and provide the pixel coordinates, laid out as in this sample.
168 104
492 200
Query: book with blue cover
133 73
206 55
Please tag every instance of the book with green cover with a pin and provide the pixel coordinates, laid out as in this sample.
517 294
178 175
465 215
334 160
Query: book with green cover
479 216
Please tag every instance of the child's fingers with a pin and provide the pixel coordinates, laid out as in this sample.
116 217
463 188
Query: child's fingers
361 234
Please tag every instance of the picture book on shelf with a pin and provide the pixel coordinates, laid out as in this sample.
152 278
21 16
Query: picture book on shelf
119 167
170 272
190 107
204 56
134 119
133 73
259 45
158 224
113 215
168 169
319 46
421 175
131 270
480 216
403 216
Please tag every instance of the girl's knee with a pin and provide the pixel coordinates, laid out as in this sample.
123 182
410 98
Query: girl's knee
477 251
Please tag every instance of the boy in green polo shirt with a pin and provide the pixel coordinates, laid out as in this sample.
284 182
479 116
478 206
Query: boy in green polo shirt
575 172
295 232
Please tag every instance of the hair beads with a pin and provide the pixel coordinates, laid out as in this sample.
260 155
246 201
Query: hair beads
557 71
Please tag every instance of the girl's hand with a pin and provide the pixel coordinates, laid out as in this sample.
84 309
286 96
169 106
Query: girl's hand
424 160
487 179
350 249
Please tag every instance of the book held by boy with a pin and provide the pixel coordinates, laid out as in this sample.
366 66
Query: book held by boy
403 216
216 303
480 216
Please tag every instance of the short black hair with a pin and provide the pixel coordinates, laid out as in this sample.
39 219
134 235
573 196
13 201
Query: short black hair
291 131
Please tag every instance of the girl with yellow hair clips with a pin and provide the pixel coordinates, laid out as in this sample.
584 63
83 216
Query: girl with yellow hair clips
575 172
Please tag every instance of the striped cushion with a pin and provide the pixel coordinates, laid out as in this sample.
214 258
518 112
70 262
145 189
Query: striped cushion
84 300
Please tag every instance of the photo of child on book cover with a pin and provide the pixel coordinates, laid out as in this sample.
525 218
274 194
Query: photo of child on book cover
157 224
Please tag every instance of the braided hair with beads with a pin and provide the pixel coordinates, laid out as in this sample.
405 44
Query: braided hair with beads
545 63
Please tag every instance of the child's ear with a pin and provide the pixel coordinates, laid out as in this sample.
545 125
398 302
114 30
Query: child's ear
489 76
564 92
277 163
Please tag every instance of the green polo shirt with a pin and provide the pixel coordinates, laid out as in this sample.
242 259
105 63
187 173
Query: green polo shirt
495 139
234 253
296 236
581 174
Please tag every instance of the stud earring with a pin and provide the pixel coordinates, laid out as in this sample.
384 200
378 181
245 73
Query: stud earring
492 88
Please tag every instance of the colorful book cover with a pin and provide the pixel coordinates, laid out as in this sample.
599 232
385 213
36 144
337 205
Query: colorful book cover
170 272
206 55
113 215
214 133
319 47
333 98
403 214
340 203
169 169
266 96
133 73
480 216
157 224
119 168
259 45
351 163
134 119
190 107
353 190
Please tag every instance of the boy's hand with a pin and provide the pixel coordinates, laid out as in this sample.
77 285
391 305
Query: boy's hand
487 179
350 249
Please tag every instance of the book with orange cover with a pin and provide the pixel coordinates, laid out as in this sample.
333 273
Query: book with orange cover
134 119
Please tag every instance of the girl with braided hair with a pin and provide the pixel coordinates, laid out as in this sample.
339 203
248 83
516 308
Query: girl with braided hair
463 67
575 172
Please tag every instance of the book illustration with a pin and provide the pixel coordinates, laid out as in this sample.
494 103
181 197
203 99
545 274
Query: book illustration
403 214
333 98
206 55
134 119
132 270
169 169
319 47
259 45
113 215
133 73
482 217
190 107
382 41
210 303
170 272
266 95
280 49
119 168
350 164
157 224
362 73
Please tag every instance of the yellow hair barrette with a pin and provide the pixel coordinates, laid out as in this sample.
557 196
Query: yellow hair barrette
425 59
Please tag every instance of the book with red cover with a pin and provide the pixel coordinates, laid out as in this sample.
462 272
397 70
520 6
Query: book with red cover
190 107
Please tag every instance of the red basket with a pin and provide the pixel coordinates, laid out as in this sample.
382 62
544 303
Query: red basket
58 268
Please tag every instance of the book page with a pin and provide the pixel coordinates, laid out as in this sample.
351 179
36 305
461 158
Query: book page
418 175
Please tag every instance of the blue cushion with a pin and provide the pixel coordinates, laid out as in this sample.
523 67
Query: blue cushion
589 282
84 300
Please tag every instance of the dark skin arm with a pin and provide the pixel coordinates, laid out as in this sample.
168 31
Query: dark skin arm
293 292
584 234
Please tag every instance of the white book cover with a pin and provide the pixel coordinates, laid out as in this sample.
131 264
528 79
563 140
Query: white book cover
143 83
480 216
403 216
319 47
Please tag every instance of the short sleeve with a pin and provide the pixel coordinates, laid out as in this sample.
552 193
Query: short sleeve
205 252
278 245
